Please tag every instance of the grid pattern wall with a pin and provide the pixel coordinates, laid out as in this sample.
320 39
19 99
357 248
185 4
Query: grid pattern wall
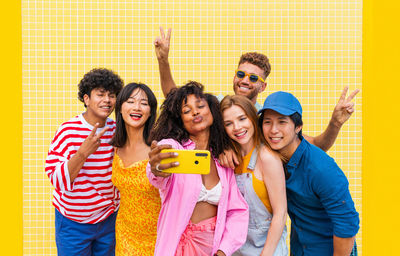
315 48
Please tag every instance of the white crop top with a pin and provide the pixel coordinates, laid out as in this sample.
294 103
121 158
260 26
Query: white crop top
211 196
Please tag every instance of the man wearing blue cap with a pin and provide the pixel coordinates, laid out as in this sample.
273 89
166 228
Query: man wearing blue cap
324 219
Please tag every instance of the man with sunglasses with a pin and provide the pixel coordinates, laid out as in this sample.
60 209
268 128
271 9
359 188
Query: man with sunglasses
250 76
249 81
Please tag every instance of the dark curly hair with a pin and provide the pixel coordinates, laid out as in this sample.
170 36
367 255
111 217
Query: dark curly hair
99 78
170 125
120 135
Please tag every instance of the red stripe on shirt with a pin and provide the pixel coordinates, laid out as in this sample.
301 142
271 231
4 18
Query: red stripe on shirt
95 185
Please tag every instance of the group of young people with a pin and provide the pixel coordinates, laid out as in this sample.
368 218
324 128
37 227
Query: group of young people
112 195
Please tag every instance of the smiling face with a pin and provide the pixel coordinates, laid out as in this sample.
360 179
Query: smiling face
196 115
136 109
238 126
99 105
280 132
243 86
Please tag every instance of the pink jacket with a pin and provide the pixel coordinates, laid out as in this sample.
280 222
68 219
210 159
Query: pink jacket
179 194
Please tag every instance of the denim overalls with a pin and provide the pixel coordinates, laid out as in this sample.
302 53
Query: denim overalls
260 218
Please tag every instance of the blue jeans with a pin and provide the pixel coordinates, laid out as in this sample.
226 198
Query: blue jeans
354 252
79 239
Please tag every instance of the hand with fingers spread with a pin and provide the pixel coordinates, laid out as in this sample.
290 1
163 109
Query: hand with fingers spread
228 159
342 112
88 147
92 142
344 108
155 157
161 44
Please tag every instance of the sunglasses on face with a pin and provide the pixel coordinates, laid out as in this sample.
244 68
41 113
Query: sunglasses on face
252 77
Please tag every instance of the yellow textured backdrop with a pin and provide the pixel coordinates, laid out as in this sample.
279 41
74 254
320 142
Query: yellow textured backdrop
315 49
381 137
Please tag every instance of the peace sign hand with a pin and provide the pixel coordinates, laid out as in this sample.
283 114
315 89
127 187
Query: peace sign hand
344 108
161 44
92 142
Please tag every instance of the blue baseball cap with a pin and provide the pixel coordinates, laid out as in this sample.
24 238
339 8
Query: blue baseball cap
282 102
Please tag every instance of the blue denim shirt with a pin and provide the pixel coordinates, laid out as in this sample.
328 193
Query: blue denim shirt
319 202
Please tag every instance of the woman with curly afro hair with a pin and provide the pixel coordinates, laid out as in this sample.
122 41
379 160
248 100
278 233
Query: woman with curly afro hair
201 214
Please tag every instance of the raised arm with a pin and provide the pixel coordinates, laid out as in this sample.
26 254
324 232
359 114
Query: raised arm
161 45
342 112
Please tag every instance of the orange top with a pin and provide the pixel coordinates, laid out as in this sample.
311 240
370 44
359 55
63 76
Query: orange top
136 225
258 185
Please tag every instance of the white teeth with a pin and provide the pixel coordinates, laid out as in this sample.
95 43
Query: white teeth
275 139
106 107
136 115
240 134
244 88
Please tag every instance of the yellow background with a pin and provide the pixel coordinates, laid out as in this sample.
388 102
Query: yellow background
380 90
381 54
315 48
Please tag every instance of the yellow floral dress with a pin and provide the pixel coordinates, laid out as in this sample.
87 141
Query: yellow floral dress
136 225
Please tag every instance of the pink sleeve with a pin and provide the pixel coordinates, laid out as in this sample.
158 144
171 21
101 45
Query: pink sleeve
158 182
237 218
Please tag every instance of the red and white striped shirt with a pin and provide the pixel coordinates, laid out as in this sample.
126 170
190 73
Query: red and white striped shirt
91 197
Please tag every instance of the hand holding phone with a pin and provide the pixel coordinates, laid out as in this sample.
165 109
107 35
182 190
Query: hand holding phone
155 157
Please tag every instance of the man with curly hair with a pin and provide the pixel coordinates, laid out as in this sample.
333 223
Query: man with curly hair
250 80
79 167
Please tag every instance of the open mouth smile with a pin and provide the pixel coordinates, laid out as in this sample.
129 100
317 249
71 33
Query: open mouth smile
136 116
241 134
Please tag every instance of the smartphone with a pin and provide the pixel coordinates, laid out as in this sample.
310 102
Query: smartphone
190 161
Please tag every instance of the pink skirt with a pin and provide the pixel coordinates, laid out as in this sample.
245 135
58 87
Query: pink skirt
197 239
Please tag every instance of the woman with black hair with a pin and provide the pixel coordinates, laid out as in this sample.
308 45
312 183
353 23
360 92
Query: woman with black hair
200 214
136 223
